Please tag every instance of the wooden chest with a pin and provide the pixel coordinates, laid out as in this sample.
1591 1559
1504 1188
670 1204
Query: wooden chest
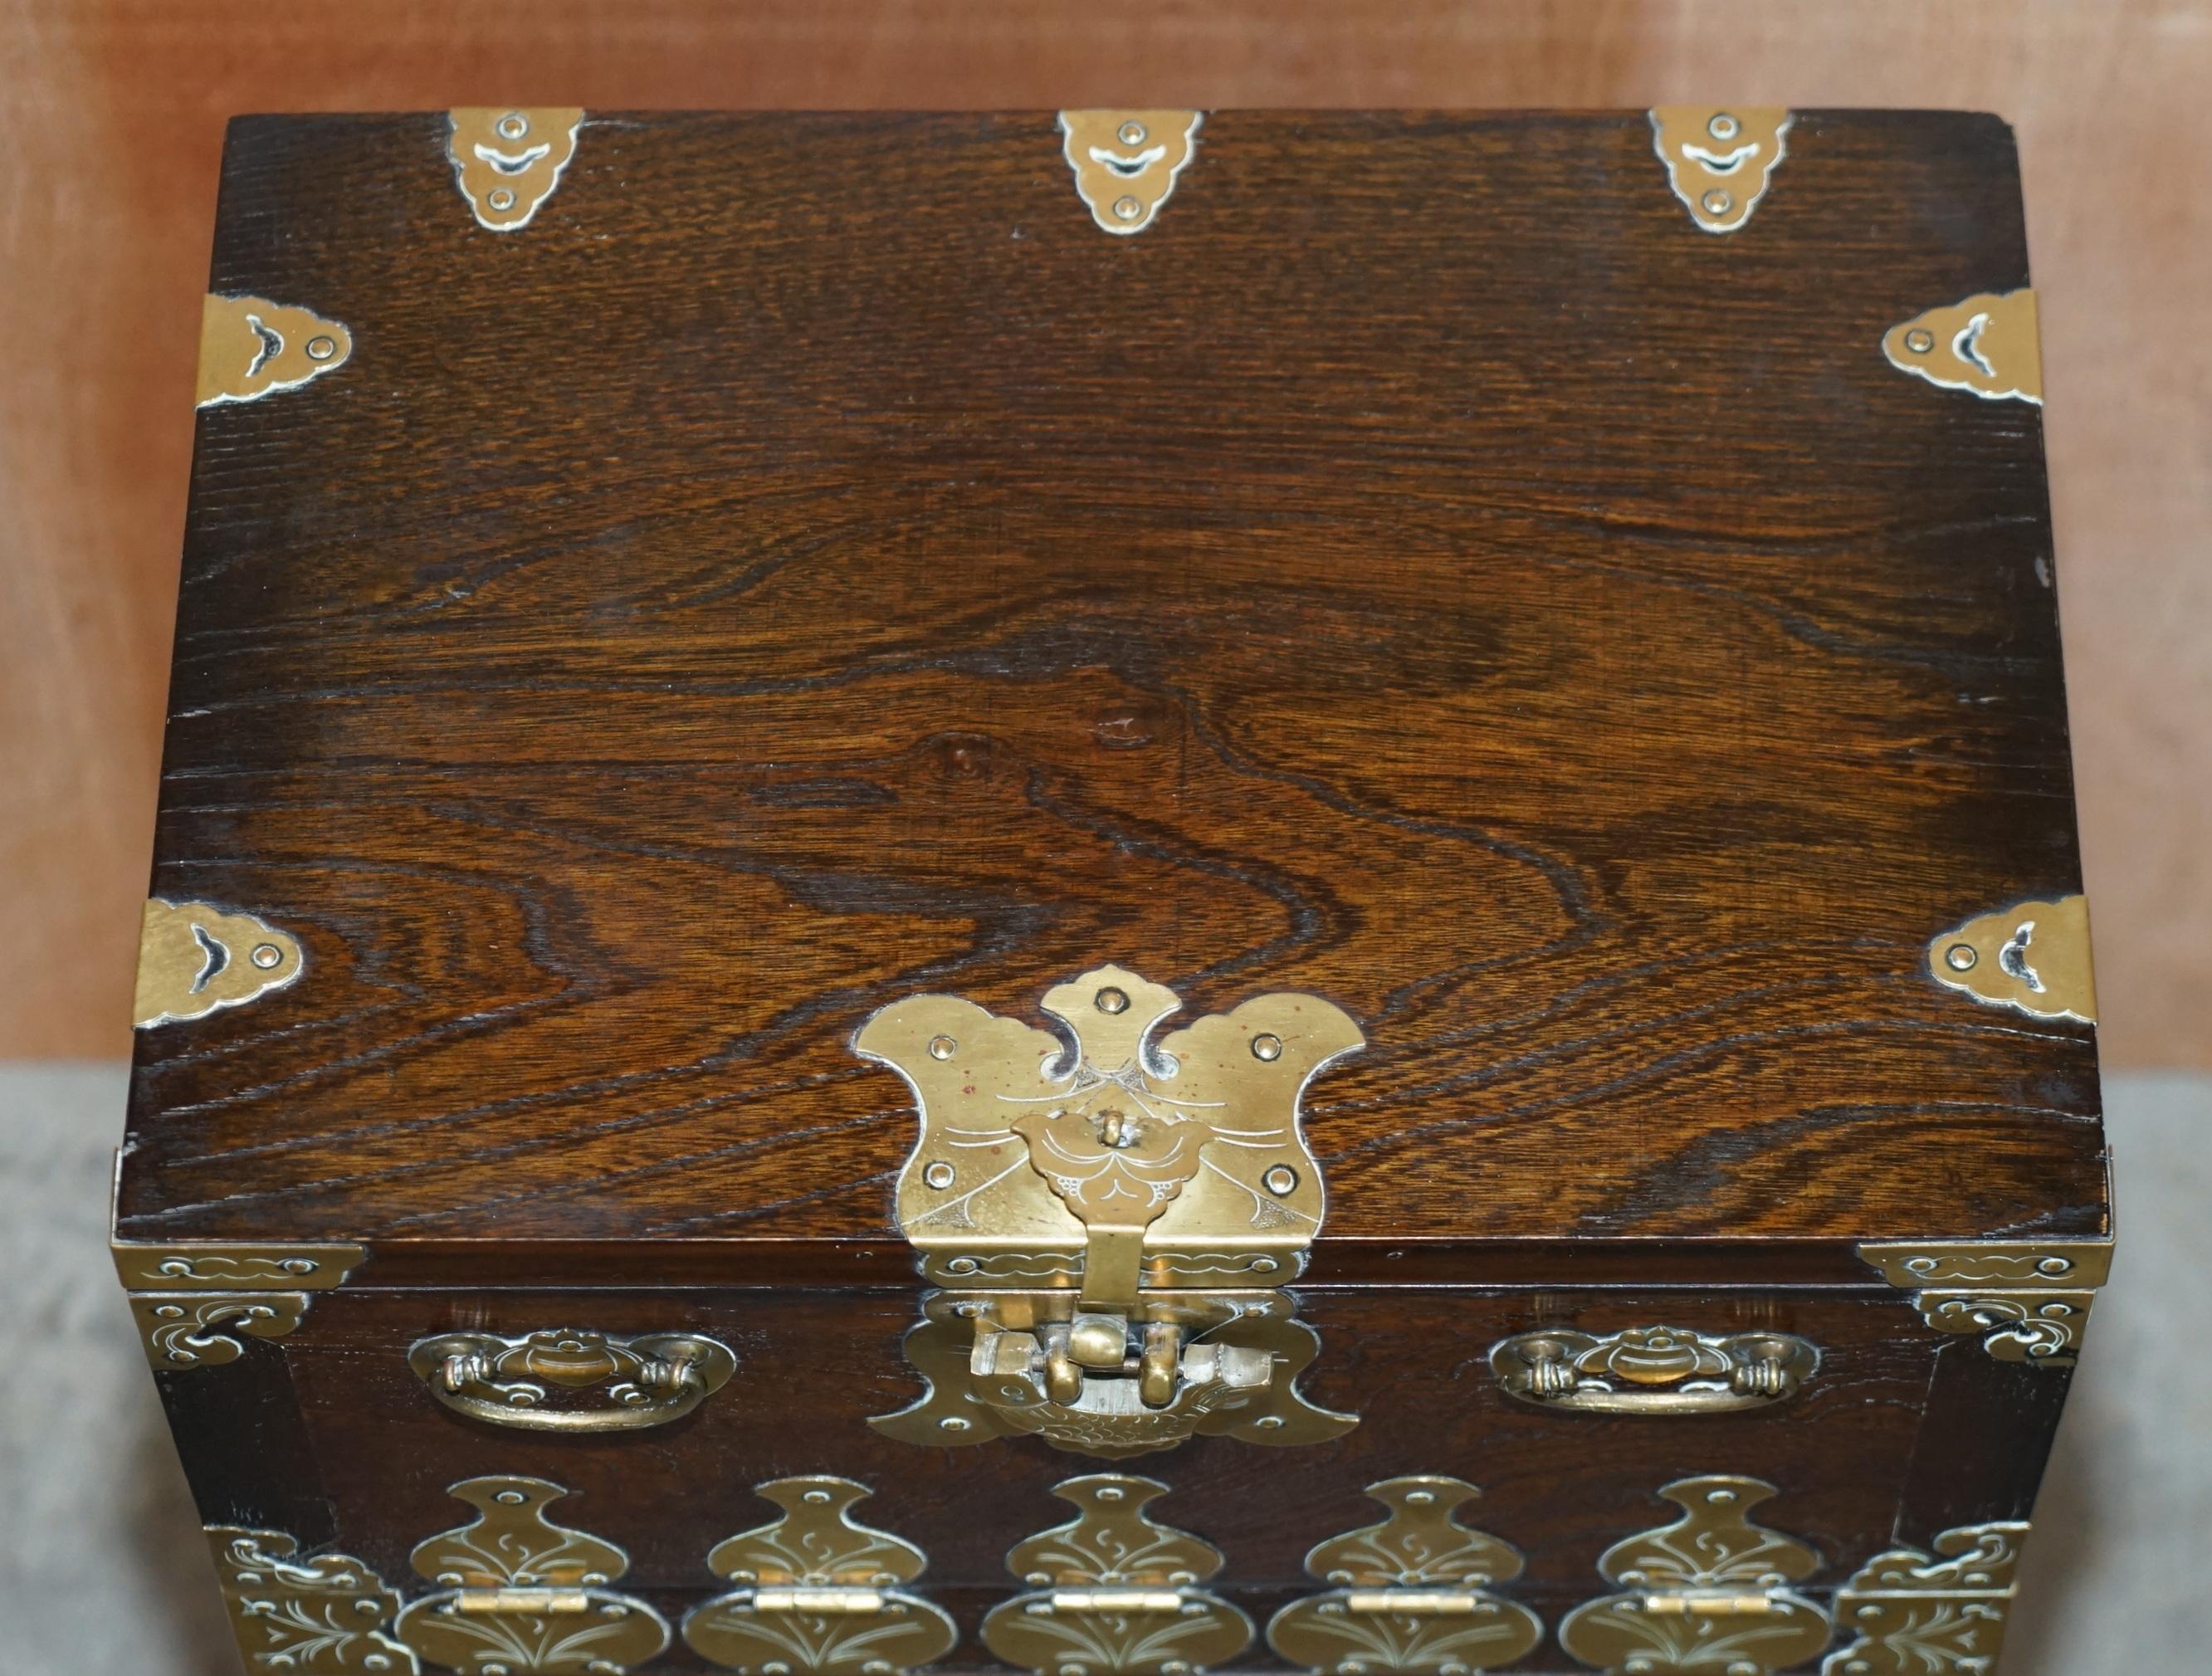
985 891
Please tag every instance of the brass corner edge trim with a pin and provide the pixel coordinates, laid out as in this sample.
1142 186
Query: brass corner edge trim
1987 344
251 347
195 958
325 1611
507 158
1915 1613
1127 162
2028 1299
1720 162
2034 956
224 1266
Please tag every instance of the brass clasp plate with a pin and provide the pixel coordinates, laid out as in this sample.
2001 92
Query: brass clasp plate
1114 1213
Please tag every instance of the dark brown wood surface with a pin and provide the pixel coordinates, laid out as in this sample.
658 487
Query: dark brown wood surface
813 564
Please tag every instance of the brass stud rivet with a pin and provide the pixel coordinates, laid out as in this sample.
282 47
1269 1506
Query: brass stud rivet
1113 1000
1721 1497
1266 1047
1132 133
267 954
1919 340
1723 126
1128 208
1421 1498
170 1312
1268 1422
1110 1492
318 349
1961 956
938 1174
1281 1180
513 125
941 1046
512 1497
500 198
954 1422
1717 203
819 1498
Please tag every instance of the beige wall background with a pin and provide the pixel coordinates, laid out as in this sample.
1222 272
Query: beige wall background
111 114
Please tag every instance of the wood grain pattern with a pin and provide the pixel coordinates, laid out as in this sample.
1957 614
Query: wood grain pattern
812 564
115 124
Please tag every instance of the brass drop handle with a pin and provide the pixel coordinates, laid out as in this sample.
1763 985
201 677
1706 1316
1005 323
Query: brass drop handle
1653 1370
649 1381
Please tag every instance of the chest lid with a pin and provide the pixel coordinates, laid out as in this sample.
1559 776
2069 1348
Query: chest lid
1548 621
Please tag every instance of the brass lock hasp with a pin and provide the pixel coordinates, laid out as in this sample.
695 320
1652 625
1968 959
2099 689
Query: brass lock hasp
1111 1217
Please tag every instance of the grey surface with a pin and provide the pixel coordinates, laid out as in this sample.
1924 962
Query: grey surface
102 1572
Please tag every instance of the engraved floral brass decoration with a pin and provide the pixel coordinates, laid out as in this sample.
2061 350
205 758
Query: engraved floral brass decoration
189 1300
818 1593
1652 1369
650 1380
2034 957
1113 1213
251 347
2029 1300
1114 1594
1720 162
1917 1615
508 160
1410 1592
1986 343
184 1332
1705 1595
194 957
520 1593
319 1617
1126 161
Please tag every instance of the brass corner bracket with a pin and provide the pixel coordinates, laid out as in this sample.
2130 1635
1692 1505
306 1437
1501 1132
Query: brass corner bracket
1720 162
1126 162
507 158
1916 1614
2034 957
195 958
251 347
2028 1299
1112 1216
326 1614
1986 343
188 1300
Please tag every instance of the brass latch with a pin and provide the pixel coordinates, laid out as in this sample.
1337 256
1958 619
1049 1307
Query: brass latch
1111 1217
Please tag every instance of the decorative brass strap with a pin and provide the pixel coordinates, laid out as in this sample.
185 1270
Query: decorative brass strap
1652 1369
251 347
817 1591
194 958
1986 343
1704 1594
1115 1594
1410 1595
1719 163
1126 162
657 1377
508 160
2034 957
520 1593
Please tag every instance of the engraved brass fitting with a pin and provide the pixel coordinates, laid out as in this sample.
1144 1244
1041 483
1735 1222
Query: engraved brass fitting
1110 1217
